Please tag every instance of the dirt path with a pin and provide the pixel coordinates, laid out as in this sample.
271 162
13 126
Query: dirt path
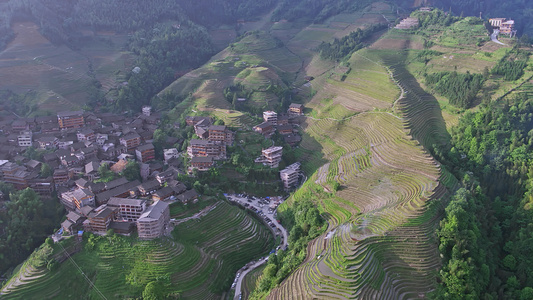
197 215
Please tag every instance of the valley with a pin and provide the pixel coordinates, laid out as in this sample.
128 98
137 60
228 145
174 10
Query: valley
382 162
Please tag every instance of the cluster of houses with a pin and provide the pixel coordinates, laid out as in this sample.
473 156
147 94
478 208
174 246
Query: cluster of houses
75 145
122 205
210 145
283 124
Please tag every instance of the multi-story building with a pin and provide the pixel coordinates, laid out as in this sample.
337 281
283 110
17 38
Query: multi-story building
504 25
171 153
25 139
42 186
289 176
130 140
67 199
91 170
265 128
270 116
50 127
48 142
296 109
163 194
271 156
147 110
98 221
83 197
101 138
190 195
120 191
165 176
154 221
203 148
15 175
191 121
219 133
148 187
45 120
507 27
145 153
20 125
285 129
283 120
496 22
128 209
202 163
86 134
70 119
72 222
61 176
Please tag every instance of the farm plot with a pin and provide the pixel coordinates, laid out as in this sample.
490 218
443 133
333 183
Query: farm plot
365 86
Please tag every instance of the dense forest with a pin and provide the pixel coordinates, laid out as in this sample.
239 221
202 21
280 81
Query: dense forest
486 238
315 10
162 51
213 12
26 222
511 66
460 89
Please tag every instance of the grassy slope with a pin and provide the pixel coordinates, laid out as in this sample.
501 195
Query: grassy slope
200 259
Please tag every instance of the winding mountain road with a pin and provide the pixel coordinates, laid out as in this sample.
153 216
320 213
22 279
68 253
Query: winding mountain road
494 37
266 216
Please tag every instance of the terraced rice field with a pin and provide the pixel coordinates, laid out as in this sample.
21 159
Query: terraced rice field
200 260
380 241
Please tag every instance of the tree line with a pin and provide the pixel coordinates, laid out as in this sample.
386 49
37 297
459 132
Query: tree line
341 48
435 17
316 11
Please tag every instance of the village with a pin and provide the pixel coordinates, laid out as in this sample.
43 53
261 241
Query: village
84 157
